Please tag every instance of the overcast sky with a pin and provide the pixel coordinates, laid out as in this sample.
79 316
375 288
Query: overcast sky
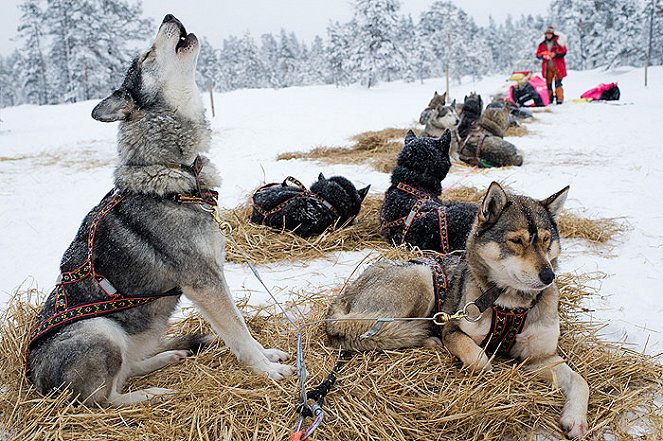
216 19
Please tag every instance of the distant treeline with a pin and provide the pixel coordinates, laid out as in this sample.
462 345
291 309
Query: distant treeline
76 50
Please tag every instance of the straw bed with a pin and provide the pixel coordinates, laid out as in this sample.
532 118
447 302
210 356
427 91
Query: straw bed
377 148
396 395
263 244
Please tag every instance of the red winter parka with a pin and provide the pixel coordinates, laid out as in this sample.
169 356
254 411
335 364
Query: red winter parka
558 51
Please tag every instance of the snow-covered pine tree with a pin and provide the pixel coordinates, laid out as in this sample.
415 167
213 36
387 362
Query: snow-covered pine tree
375 52
250 69
529 30
88 52
10 84
338 47
229 64
117 28
269 54
316 69
32 63
209 67
457 43
286 67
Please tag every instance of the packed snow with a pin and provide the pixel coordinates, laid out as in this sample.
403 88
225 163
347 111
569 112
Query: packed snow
56 163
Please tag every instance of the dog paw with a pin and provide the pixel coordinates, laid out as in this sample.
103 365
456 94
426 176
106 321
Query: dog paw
482 363
278 371
176 356
574 426
276 355
157 394
432 342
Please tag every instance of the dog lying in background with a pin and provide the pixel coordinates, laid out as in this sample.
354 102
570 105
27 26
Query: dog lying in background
507 272
482 141
412 212
291 206
149 241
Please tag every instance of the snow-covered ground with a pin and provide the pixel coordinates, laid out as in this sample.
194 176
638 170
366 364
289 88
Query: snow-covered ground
56 163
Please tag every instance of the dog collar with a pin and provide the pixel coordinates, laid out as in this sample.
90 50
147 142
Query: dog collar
207 197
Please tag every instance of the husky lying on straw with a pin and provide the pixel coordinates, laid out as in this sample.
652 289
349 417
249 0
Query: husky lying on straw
507 278
150 240
291 206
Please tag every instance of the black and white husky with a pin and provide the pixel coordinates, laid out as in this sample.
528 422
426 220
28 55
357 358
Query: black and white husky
150 240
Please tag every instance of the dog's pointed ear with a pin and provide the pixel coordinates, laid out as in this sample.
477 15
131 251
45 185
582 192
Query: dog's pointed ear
453 103
492 205
363 192
116 107
410 136
321 177
444 97
444 142
555 203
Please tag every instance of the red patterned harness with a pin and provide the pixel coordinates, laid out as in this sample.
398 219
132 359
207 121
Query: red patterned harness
62 312
415 212
506 325
304 192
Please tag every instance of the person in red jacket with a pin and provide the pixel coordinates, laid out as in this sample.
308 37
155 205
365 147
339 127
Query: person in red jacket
551 51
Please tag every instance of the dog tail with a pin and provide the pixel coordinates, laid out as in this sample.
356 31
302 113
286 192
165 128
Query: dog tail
345 331
192 342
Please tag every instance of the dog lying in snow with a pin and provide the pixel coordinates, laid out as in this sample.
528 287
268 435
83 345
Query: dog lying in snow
291 206
481 135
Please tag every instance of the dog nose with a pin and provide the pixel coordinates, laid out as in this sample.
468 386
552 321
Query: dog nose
547 276
169 17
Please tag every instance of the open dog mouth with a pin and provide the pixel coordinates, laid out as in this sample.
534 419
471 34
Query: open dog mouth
185 40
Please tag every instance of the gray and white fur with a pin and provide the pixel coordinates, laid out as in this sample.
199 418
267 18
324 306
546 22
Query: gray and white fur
150 244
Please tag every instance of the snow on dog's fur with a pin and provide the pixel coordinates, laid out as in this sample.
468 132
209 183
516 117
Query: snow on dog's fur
333 201
148 245
412 212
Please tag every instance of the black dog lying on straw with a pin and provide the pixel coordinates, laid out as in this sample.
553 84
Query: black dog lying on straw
291 206
412 212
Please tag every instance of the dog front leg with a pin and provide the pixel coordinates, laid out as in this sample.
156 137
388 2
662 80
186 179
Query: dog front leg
462 346
218 308
574 415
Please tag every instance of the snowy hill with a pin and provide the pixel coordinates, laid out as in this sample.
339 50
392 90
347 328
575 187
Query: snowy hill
56 163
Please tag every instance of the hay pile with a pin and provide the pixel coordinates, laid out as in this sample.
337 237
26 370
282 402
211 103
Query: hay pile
263 244
516 131
397 395
377 148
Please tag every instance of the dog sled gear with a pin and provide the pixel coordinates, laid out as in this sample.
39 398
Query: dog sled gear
506 323
421 198
65 305
299 190
317 395
532 93
440 281
607 92
470 150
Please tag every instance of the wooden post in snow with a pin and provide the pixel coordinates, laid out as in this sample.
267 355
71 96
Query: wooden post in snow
446 82
210 88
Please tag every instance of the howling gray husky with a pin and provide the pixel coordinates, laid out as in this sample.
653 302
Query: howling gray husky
150 240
